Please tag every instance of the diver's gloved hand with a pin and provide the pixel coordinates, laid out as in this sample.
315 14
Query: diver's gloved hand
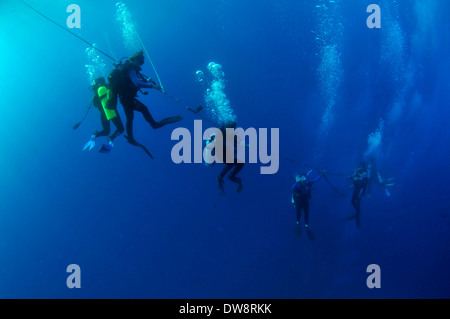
90 144
158 87
150 80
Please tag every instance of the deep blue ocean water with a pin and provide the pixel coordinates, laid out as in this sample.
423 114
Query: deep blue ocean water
142 228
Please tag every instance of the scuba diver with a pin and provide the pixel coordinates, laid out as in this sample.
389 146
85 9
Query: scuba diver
127 82
235 166
360 180
301 194
106 103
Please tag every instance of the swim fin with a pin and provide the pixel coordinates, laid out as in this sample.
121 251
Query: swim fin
105 148
221 182
298 231
310 234
168 120
90 144
132 141
198 109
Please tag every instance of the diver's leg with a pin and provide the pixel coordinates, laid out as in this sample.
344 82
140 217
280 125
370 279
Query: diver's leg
356 202
298 208
358 212
129 114
140 107
105 125
222 174
225 170
306 209
237 168
117 121
355 199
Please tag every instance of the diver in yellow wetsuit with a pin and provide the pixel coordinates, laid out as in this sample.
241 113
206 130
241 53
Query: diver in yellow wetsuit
105 100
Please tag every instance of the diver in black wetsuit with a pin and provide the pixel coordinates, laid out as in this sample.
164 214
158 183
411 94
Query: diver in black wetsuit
301 194
129 83
360 180
235 166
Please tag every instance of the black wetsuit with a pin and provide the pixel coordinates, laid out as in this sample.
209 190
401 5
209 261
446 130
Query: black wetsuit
235 166
127 94
131 104
360 181
236 169
301 193
105 123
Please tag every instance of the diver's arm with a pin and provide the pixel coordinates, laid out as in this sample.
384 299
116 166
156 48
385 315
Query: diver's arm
316 179
138 82
293 192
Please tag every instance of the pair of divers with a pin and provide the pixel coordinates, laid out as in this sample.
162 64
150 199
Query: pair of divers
124 83
362 178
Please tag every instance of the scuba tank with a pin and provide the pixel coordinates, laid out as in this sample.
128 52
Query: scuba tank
106 98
